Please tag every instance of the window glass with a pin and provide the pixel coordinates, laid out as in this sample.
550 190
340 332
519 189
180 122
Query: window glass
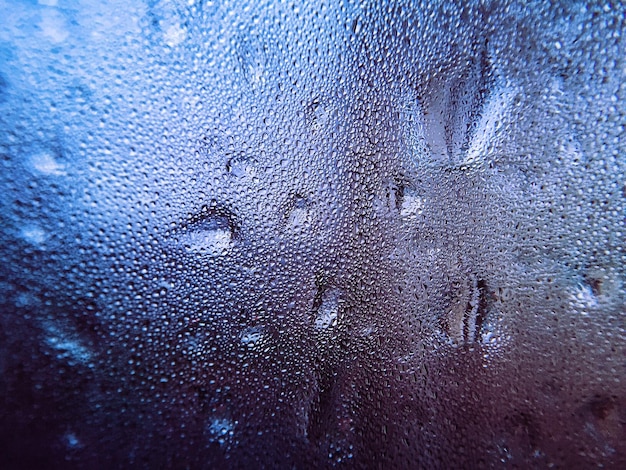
312 234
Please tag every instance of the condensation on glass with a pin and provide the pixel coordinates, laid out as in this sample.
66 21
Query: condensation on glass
312 234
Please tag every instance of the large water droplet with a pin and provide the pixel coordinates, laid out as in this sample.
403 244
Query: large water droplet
412 205
250 337
212 235
328 312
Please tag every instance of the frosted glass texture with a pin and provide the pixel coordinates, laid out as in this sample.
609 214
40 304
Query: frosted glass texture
312 234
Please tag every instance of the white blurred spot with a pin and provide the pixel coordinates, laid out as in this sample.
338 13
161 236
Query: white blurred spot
53 26
27 300
221 430
72 440
66 346
174 35
571 152
46 164
34 235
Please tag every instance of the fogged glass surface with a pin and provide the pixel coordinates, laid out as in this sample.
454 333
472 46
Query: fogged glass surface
312 234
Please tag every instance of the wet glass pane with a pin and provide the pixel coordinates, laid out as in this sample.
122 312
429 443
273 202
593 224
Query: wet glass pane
312 234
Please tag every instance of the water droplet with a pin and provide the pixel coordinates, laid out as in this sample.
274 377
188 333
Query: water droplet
71 440
300 216
252 336
328 312
212 235
242 166
583 297
412 205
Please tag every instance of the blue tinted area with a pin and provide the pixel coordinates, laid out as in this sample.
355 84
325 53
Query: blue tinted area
309 235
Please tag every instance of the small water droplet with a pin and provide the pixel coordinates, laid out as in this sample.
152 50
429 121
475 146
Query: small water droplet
71 440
